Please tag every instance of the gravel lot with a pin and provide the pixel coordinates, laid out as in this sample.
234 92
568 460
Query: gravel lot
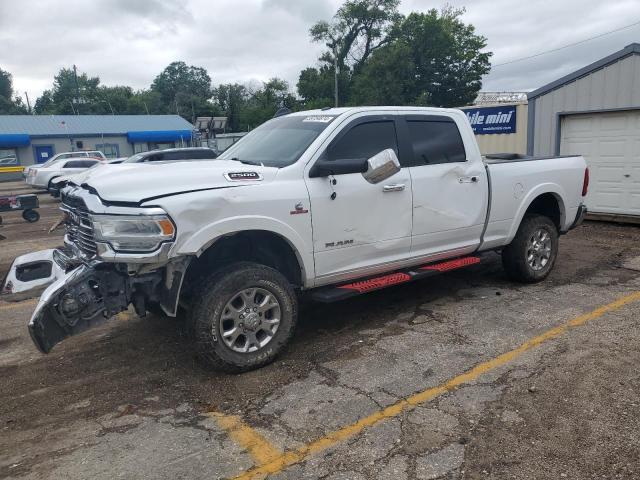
129 400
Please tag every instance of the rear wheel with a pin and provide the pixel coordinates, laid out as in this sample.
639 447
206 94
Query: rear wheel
532 253
31 216
243 316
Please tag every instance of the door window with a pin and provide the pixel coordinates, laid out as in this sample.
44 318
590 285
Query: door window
364 141
435 142
80 163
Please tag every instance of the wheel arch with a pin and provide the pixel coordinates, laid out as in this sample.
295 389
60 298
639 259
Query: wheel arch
545 200
255 245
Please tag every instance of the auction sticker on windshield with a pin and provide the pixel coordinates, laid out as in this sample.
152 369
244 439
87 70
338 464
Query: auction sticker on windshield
318 119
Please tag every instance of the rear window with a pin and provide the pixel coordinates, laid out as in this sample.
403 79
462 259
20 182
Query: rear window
435 142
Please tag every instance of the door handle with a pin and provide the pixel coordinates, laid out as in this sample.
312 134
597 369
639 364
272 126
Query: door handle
473 179
397 187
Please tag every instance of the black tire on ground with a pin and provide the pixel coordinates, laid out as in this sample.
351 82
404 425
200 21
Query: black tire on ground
31 216
518 255
210 303
50 184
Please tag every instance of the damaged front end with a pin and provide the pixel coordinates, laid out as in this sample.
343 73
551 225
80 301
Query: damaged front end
79 300
87 281
82 295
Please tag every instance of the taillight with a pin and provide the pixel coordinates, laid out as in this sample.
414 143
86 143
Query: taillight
585 182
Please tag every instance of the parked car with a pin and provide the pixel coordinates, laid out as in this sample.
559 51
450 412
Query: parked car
43 177
58 183
64 156
173 154
335 202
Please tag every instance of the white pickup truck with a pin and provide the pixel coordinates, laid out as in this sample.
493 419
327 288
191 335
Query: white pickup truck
336 202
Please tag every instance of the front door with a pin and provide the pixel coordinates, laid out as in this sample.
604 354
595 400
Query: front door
450 191
43 153
359 226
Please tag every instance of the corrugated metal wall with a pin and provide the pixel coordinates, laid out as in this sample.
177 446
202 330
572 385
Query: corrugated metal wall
507 142
612 87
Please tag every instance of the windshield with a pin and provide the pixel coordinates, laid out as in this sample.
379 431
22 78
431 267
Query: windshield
279 142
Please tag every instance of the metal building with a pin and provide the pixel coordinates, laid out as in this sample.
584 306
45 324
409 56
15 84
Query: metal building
595 112
29 139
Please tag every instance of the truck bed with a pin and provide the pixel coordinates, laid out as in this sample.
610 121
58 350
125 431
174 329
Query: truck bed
515 181
496 158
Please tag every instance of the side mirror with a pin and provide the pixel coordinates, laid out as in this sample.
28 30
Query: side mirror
324 167
382 166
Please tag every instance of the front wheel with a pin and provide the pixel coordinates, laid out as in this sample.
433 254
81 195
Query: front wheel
243 316
532 253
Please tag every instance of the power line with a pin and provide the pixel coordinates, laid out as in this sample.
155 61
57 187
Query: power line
566 46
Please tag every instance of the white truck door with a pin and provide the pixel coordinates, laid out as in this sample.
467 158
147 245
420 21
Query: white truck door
358 225
450 188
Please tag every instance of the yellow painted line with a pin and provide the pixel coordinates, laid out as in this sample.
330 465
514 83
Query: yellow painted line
14 306
292 457
11 169
255 444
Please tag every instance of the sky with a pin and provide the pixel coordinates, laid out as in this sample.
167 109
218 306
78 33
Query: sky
128 42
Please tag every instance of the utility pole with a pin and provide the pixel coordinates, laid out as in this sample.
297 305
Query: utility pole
28 104
75 78
334 46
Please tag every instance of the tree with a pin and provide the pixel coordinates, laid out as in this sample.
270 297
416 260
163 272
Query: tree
387 79
358 29
232 99
316 85
8 104
70 94
184 89
435 59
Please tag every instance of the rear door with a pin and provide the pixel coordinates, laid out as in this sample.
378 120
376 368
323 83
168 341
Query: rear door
357 225
450 190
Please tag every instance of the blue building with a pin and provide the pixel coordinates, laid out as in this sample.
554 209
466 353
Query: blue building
29 139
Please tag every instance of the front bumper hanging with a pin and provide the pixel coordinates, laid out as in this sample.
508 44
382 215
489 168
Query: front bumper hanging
79 294
78 300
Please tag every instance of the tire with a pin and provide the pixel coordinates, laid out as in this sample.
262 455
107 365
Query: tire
31 216
50 184
215 315
530 256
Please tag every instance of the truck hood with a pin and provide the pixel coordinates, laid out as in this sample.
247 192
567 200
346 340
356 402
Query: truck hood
138 182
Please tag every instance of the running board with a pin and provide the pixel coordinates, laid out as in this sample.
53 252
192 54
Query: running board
340 292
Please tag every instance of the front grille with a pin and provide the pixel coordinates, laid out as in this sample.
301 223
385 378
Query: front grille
79 227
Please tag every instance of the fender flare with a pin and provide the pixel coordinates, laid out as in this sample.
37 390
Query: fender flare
202 239
553 188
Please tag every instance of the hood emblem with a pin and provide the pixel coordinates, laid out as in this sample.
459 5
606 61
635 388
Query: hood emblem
241 176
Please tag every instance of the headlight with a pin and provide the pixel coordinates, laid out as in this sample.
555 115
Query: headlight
138 233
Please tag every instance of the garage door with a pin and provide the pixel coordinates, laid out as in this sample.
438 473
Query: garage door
610 142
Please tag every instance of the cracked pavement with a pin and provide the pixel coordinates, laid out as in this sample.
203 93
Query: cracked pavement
129 399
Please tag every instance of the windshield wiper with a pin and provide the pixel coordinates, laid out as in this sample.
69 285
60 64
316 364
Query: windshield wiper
247 162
